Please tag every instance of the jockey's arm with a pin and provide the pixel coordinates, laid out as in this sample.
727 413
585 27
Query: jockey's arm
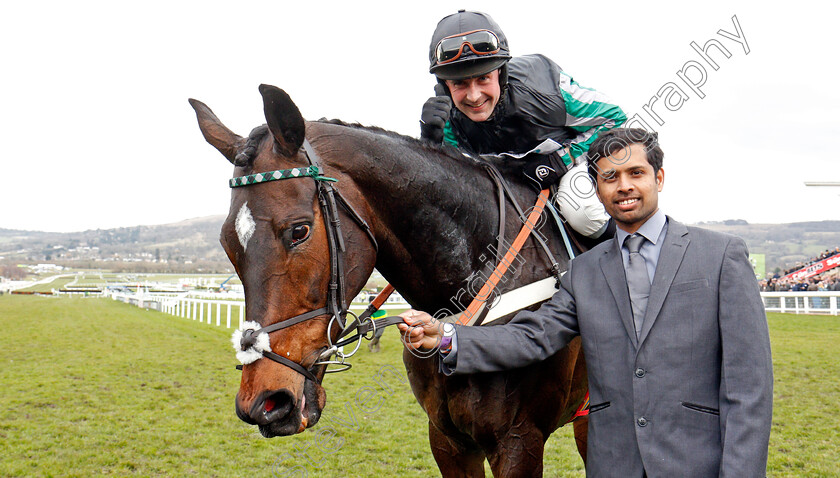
589 112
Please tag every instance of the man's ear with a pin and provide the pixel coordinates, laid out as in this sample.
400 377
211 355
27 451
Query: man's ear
597 189
660 179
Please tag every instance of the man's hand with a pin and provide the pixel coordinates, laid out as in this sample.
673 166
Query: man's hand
544 169
420 330
435 115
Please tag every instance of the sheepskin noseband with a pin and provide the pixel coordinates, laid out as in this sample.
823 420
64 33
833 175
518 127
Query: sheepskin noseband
250 343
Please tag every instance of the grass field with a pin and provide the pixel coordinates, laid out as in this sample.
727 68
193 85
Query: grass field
93 387
80 278
57 283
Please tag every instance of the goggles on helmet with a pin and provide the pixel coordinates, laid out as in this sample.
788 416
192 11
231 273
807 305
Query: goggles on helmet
481 42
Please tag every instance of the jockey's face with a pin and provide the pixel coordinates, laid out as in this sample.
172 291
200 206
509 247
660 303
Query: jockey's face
628 187
476 97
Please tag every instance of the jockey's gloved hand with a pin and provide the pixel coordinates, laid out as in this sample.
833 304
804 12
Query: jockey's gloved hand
435 115
543 170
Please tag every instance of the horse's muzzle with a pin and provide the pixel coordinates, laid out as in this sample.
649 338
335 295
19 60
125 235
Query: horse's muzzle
279 413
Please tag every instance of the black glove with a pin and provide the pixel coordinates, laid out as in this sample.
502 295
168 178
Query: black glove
435 115
544 169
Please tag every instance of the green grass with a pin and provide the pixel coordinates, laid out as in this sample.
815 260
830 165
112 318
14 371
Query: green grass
805 440
92 387
57 283
90 280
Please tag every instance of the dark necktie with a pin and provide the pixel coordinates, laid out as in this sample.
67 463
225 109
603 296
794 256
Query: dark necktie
638 281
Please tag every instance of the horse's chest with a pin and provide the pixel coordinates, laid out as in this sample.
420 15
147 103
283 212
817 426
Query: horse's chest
471 406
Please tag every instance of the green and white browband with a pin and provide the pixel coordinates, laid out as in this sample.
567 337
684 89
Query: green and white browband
309 171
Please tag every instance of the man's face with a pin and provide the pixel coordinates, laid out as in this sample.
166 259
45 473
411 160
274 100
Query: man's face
628 187
476 97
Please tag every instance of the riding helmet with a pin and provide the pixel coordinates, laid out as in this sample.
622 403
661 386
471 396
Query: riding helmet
468 64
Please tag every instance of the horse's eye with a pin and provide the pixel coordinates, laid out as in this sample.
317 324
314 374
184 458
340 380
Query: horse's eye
300 233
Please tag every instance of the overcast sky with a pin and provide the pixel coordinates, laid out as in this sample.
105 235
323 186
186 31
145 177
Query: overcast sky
97 131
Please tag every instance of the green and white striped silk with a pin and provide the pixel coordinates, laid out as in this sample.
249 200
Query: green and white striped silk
588 112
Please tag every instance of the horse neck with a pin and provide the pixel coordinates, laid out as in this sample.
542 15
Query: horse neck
433 215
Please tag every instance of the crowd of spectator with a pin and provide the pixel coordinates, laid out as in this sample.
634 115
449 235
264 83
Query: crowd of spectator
814 284
825 255
828 281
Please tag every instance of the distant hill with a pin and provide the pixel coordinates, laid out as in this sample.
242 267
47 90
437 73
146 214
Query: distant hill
784 245
193 245
186 246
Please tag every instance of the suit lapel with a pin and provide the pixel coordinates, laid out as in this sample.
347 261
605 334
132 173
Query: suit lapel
670 258
613 267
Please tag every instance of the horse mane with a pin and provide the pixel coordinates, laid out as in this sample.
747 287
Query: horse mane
509 169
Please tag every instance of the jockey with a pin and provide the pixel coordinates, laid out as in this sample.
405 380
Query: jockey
525 108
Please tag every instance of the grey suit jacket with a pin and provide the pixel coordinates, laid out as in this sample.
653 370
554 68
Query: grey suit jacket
693 395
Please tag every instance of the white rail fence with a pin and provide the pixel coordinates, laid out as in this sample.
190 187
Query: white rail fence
822 302
210 311
232 312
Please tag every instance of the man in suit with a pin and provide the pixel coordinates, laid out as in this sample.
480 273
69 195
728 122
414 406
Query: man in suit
673 330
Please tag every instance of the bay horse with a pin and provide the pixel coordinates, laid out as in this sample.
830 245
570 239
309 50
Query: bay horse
423 216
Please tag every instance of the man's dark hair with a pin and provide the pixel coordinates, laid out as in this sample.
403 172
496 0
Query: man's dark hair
620 139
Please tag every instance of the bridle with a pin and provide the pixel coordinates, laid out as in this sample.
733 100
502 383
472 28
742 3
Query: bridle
336 304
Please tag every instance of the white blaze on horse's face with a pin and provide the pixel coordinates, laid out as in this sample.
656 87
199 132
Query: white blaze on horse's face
245 225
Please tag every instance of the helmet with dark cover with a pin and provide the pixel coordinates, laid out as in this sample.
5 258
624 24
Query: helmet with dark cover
466 45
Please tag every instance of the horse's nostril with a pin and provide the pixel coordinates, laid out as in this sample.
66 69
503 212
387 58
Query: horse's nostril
278 405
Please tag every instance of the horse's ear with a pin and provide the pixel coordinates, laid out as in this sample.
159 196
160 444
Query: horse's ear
284 119
217 134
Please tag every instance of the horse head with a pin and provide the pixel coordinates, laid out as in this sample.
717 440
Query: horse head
279 241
